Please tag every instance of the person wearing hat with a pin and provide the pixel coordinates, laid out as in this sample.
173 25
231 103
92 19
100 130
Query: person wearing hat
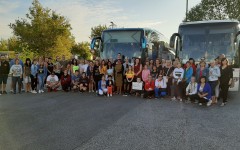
53 82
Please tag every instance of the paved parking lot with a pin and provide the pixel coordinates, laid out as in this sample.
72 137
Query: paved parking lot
74 121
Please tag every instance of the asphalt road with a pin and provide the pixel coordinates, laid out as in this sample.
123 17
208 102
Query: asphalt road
74 121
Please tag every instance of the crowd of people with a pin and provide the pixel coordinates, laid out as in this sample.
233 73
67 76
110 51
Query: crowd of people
202 83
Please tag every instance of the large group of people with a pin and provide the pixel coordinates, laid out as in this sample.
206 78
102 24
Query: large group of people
202 83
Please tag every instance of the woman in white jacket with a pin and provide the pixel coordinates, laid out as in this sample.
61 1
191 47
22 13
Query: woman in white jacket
214 74
191 90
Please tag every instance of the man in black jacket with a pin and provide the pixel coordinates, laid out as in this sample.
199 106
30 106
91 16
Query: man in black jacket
4 71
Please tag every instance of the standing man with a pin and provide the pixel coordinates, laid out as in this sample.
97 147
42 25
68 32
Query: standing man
4 71
63 63
12 62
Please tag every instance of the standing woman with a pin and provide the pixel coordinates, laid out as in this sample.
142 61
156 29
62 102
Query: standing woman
17 72
168 75
103 68
145 73
42 74
96 74
225 80
109 70
34 76
214 74
151 64
50 66
154 73
27 72
137 69
90 76
74 66
202 71
119 76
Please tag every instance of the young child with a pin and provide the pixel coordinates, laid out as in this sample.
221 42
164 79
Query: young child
109 86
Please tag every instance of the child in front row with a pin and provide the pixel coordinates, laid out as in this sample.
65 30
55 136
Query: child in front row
110 86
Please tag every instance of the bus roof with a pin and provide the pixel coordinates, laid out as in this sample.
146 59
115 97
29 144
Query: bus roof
124 29
209 21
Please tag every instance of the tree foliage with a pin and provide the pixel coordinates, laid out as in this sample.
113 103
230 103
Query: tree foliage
215 10
44 31
97 31
82 50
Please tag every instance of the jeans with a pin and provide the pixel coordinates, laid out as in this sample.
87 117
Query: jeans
160 92
41 79
15 81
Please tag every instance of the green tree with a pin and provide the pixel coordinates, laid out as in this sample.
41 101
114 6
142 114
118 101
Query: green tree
44 31
82 50
3 45
97 31
215 10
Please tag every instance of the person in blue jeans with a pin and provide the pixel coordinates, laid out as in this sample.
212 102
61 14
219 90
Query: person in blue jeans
160 87
42 73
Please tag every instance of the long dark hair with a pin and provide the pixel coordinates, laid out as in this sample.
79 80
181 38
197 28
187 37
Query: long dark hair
30 63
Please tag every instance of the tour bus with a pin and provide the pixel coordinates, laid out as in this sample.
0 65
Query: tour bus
209 39
132 43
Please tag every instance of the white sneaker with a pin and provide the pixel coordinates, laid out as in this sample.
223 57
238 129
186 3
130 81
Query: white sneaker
108 95
174 98
34 92
180 99
223 104
11 91
42 91
39 91
209 103
111 95
200 104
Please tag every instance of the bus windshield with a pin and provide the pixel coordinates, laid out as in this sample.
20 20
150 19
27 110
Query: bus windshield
125 42
208 42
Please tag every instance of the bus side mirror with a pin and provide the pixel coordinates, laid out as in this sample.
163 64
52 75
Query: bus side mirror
174 37
93 43
144 43
96 44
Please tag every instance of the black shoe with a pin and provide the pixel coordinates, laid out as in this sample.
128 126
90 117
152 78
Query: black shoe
4 92
1 92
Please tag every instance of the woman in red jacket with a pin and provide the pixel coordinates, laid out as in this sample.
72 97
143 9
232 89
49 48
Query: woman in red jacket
149 88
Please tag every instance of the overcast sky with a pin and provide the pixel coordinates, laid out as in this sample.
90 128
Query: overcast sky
162 15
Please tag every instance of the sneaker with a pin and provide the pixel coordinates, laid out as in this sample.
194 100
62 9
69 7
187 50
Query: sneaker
34 92
111 95
4 92
108 95
223 104
180 99
1 92
39 91
200 104
209 103
11 91
173 99
42 91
